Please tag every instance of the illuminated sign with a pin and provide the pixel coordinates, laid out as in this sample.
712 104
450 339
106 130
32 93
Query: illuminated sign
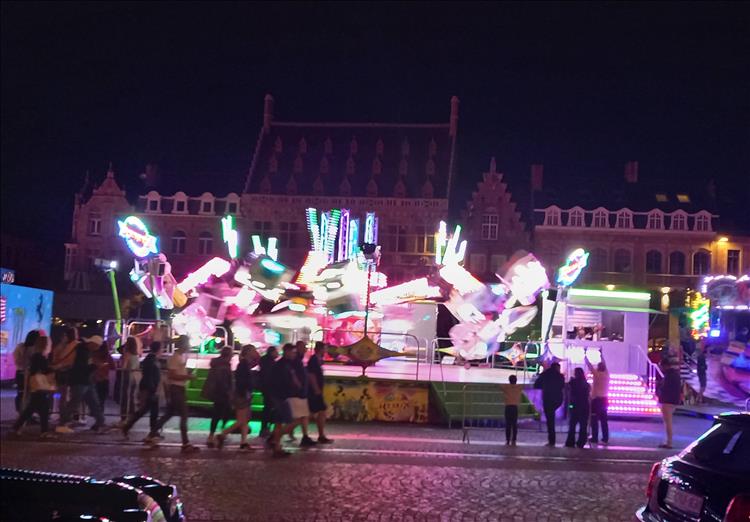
137 237
574 265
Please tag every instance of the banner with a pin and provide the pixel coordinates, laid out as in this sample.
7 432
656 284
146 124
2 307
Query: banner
363 401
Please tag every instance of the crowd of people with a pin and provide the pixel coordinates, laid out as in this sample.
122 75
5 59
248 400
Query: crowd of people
78 372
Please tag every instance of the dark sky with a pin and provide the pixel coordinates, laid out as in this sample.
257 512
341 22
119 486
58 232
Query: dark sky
582 88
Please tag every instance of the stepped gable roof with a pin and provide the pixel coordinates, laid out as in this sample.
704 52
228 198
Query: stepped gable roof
359 152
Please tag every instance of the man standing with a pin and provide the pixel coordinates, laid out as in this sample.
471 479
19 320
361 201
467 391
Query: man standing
266 382
285 384
318 408
552 383
599 394
177 378
82 386
148 392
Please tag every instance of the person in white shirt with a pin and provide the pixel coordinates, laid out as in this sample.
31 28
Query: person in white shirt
599 393
177 377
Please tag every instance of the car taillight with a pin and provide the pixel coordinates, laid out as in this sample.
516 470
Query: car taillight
653 479
738 509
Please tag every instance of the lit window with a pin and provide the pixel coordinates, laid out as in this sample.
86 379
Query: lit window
624 219
601 218
552 217
662 198
655 220
425 240
489 226
178 242
683 198
205 243
575 218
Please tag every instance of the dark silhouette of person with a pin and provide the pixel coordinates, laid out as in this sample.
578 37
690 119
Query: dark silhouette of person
552 383
579 409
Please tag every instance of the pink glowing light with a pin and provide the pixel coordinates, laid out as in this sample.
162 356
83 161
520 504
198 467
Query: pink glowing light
215 267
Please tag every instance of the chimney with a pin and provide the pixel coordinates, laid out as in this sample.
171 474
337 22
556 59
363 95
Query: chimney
631 172
267 112
454 116
537 177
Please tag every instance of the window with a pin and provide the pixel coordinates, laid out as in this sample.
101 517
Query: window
679 221
205 243
701 262
598 260
232 207
489 226
288 234
575 218
655 220
478 263
207 207
601 218
179 206
653 262
662 198
153 205
683 198
725 447
622 260
178 242
702 223
425 240
624 219
552 217
677 263
180 203
733 261
263 228
95 224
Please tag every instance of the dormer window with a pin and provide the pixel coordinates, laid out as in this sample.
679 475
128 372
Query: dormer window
207 203
180 203
683 198
679 221
153 202
231 207
601 218
575 217
233 203
624 219
552 217
702 223
655 220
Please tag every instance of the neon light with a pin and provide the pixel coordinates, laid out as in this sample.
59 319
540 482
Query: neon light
229 233
441 239
343 253
312 227
215 267
409 291
585 292
715 333
371 228
574 265
353 243
334 216
137 237
273 252
258 246
260 250
460 278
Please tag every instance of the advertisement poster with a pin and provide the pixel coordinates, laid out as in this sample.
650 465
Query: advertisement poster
22 309
363 401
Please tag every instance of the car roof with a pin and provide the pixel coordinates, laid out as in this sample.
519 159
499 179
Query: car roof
735 417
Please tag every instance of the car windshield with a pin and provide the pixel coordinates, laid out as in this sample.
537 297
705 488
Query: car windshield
724 447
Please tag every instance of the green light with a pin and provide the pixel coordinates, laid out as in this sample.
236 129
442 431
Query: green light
273 266
585 292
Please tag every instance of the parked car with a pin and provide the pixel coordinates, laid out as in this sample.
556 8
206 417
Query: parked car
39 495
708 481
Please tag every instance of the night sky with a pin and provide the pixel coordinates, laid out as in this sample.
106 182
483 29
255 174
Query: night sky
582 88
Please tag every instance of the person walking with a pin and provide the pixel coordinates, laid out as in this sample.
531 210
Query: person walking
580 392
218 389
82 387
22 359
40 387
177 379
299 404
242 396
130 377
599 401
669 393
266 370
62 362
285 386
315 401
103 364
552 383
148 393
512 394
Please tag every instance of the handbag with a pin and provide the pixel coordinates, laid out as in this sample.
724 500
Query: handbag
41 382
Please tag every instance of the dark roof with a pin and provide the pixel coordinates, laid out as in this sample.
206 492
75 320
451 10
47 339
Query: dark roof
314 157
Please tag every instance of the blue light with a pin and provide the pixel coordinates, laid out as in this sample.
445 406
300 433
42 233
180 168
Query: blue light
273 266
271 336
715 333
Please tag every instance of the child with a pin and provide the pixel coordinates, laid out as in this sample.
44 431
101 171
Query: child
512 393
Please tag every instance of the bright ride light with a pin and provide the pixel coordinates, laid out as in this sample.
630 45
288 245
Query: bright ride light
137 237
215 267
